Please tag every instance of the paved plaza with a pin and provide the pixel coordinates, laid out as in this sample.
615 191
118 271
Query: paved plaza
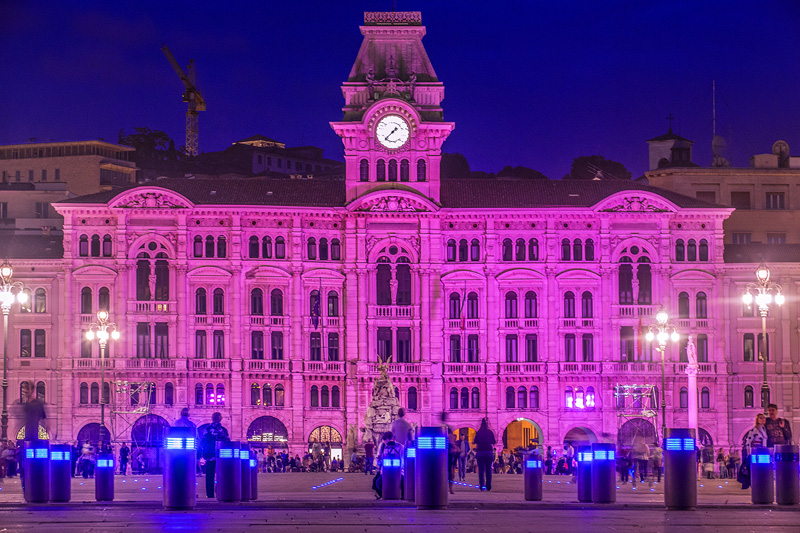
287 502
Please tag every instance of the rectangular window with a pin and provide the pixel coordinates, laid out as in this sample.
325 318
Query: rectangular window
316 347
25 343
775 200
627 353
44 174
39 343
277 345
162 340
472 348
706 196
42 210
531 348
58 174
749 347
142 339
569 348
776 238
384 343
511 348
219 345
588 348
740 199
455 349
741 238
30 175
18 176
86 345
702 348
3 210
333 347
403 345
257 344
200 345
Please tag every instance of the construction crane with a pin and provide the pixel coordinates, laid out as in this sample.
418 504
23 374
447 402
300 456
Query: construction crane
191 96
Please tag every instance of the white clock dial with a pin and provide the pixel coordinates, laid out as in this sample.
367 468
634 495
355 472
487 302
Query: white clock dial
392 131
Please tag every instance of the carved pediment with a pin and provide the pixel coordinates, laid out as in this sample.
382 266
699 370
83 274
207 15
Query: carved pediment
394 203
637 204
150 198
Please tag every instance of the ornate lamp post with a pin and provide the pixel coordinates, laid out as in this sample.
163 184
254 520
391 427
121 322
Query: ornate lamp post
102 330
765 293
9 292
662 331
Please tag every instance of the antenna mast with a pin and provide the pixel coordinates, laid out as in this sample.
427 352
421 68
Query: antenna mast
714 106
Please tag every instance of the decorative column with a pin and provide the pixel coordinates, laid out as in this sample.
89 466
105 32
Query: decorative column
691 373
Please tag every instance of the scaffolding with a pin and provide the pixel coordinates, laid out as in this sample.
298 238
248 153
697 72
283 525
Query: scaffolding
636 402
131 398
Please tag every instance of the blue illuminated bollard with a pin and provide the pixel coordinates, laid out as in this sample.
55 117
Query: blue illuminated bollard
391 477
37 471
532 477
431 483
244 460
409 472
584 474
104 478
60 472
229 472
253 478
680 469
180 468
762 477
787 474
604 473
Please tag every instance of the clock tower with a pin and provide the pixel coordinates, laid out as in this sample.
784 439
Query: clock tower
393 126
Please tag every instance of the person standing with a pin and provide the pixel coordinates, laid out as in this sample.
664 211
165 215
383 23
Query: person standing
548 461
484 442
656 457
402 431
756 437
124 455
463 451
215 434
184 422
369 457
33 409
778 429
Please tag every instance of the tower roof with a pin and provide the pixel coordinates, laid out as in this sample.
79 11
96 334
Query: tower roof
669 136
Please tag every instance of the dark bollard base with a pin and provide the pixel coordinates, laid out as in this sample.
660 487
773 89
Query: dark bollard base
431 508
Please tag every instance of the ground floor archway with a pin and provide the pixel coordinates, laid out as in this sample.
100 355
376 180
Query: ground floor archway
521 434
580 436
636 430
466 432
147 439
90 432
267 431
704 439
327 436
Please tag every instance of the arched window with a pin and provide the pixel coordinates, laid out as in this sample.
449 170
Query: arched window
86 301
475 250
510 397
453 398
705 398
200 301
579 398
311 248
473 310
279 396
252 247
83 246
680 250
266 396
26 306
276 302
702 305
198 394
107 246
533 250
645 278
577 250
748 396
403 276
40 391
197 249
256 302
220 394
519 250
531 305
508 250
280 248
454 309
683 305
565 249
464 398
363 170
333 303
255 394
587 305
691 250
209 246
404 170
336 395
522 398
463 250
169 394
703 253
588 250
40 301
534 398
323 249
162 279
222 247
451 250
84 393
95 245
380 170
103 299
569 398
421 170
412 399
95 393
590 397
153 394
219 302
392 170
625 282
511 304
266 247
569 304
314 304
336 250
325 397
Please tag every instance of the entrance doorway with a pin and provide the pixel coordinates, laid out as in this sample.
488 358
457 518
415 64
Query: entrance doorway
522 434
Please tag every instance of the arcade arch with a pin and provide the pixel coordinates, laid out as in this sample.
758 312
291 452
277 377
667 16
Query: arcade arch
521 433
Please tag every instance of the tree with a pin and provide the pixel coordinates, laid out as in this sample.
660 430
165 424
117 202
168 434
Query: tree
521 172
596 166
454 166
149 144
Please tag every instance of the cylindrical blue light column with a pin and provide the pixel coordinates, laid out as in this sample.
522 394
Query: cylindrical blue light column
104 478
680 469
229 472
604 472
431 481
60 473
762 477
180 468
391 477
37 471
532 477
409 472
253 477
584 474
244 462
787 474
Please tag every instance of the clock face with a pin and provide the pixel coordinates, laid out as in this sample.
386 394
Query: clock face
392 131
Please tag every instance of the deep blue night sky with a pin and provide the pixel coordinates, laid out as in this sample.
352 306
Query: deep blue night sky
527 83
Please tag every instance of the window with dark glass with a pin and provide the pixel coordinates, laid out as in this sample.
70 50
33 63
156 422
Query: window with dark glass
569 304
683 305
451 250
86 301
363 170
103 299
473 309
403 345
455 349
412 399
200 345
565 250
691 250
392 170
588 250
333 346
280 248
702 305
569 348
277 345
218 302
587 347
83 246
162 339
252 247
107 246
748 396
209 246
26 342
266 247
404 170
625 283
519 250
475 250
511 348
472 348
336 250
533 250
276 302
511 304
142 339
510 398
257 344
680 250
315 347
403 274
421 170
384 343
531 348
219 344
323 249
508 250
197 249
380 170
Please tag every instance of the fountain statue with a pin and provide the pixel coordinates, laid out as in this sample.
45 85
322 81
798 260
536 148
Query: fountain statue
383 406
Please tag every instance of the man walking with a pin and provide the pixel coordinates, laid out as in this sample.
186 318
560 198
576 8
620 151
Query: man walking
778 429
184 422
484 442
402 432
215 433
369 457
124 455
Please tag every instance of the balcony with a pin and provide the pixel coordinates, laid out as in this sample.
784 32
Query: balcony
160 308
324 321
465 368
705 368
530 322
258 320
209 364
699 323
397 368
510 322
328 367
91 364
640 367
569 322
635 311
267 365
392 311
88 318
579 368
523 368
277 320
150 363
468 323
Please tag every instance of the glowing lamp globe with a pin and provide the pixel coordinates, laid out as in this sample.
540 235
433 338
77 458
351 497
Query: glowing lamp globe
6 271
747 298
115 335
102 335
762 273
649 336
102 315
22 297
90 335
779 299
675 337
662 337
6 298
662 317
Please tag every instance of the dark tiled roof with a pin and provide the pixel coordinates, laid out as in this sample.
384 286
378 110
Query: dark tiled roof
757 252
31 247
669 137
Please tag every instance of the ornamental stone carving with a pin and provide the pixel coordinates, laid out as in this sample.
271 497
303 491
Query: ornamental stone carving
151 200
636 204
393 203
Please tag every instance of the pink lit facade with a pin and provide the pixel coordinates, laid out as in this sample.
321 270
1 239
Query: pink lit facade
501 299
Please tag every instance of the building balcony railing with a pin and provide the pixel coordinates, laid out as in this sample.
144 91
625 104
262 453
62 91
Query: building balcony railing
523 368
158 307
209 364
324 321
392 311
686 323
510 322
147 362
89 363
465 368
329 367
635 311
579 368
267 365
705 368
88 318
397 368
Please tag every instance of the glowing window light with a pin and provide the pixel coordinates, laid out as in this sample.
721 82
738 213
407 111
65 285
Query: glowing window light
761 459
40 453
579 403
672 444
411 453
439 443
425 443
569 402
590 400
226 453
174 443
190 443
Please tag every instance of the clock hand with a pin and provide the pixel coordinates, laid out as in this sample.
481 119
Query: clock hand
391 133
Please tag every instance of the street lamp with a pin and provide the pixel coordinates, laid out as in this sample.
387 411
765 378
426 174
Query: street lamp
765 293
10 291
102 330
662 331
